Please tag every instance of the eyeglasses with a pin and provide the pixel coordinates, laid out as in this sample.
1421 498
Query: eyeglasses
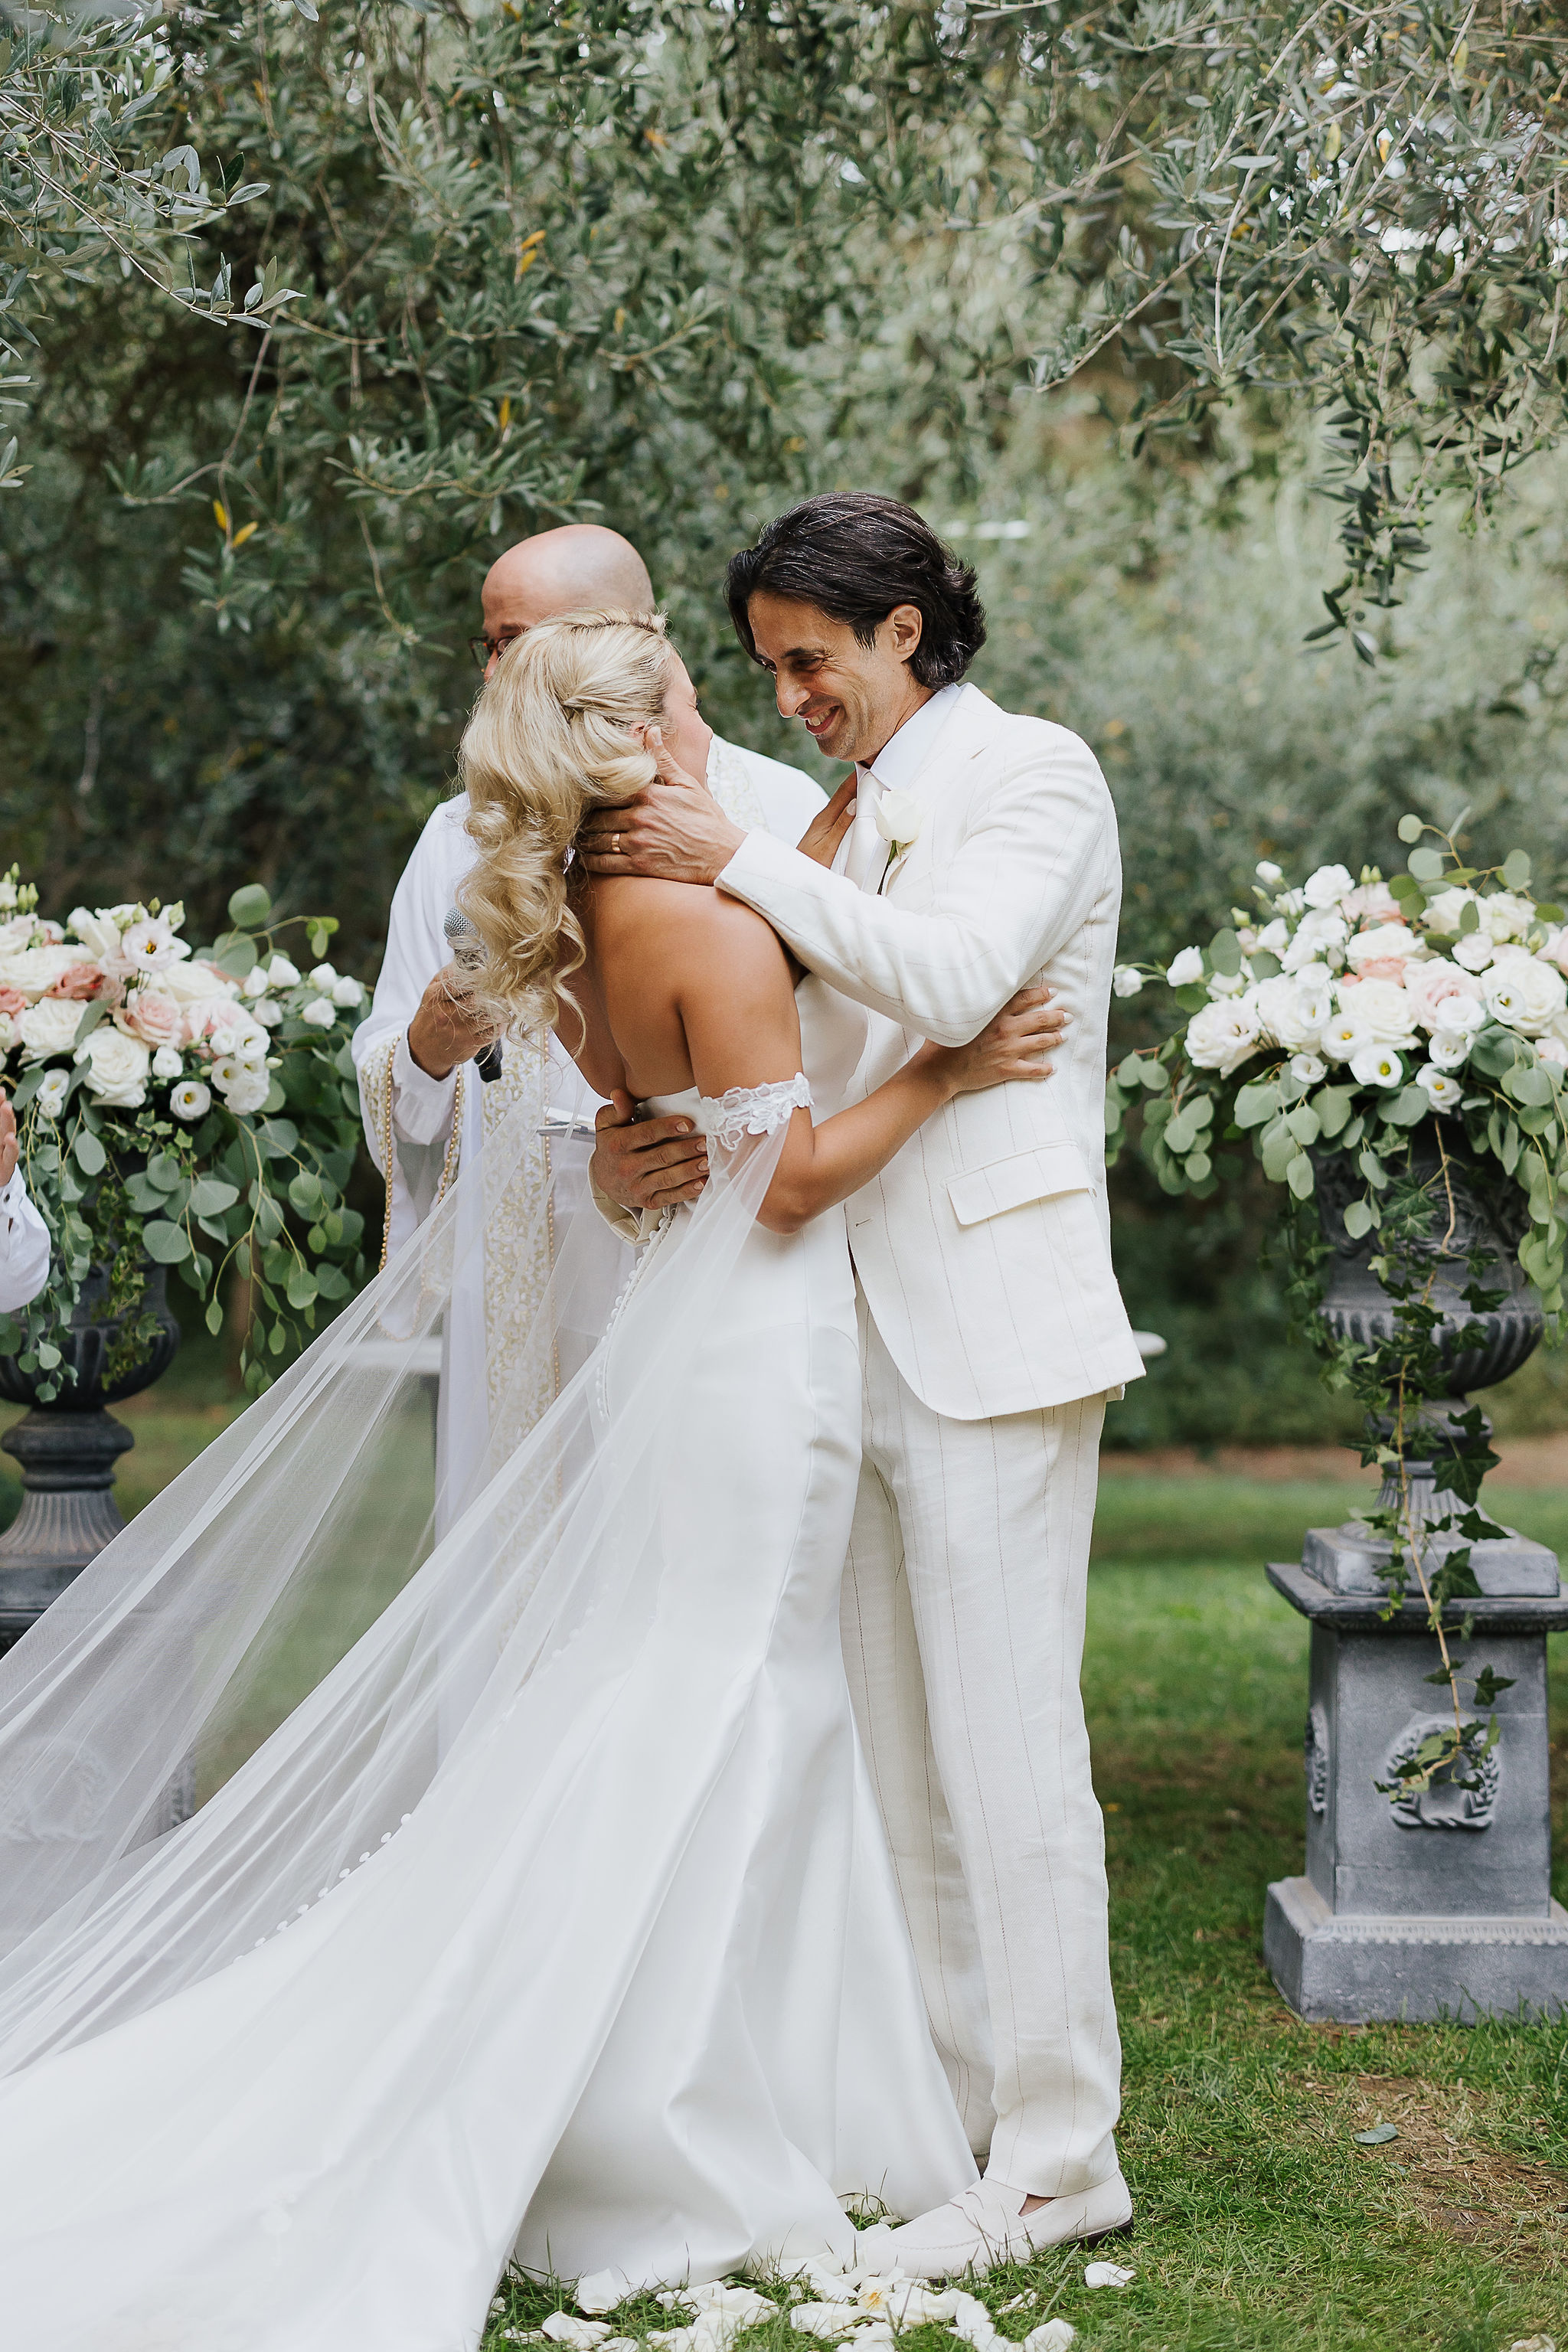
485 649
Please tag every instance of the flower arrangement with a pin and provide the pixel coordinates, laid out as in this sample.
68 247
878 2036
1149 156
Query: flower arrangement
1348 1016
1347 1012
198 1109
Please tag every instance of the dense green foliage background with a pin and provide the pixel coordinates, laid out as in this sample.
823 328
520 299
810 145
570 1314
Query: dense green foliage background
672 266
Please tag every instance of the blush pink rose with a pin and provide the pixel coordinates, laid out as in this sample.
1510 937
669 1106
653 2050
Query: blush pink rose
153 1017
1427 983
78 982
1393 968
1369 903
12 1002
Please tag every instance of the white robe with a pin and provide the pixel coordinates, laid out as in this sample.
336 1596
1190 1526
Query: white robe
487 1394
23 1246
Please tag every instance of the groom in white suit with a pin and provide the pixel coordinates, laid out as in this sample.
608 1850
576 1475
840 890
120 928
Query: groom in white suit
980 856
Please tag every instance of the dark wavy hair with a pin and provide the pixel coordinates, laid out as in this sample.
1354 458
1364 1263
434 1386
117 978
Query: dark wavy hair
855 555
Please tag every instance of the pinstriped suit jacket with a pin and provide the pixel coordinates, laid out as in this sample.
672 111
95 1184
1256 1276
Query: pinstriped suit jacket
983 1247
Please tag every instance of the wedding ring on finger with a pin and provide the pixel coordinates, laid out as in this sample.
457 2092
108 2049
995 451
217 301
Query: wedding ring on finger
614 844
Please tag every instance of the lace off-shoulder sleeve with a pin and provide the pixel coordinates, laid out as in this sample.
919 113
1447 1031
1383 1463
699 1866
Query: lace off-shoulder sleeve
753 1110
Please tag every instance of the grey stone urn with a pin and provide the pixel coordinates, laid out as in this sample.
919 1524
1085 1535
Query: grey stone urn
67 1449
1436 1905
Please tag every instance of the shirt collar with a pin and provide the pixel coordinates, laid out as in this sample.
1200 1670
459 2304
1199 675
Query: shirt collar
901 760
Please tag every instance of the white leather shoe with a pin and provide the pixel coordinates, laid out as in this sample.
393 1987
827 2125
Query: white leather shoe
986 2224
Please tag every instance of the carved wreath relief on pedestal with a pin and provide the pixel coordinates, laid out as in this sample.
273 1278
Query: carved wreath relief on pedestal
1315 1746
1446 1805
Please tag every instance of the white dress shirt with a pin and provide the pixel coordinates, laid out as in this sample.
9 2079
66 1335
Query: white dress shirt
894 769
23 1246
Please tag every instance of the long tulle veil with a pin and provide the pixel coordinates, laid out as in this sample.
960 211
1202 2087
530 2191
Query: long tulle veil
280 1642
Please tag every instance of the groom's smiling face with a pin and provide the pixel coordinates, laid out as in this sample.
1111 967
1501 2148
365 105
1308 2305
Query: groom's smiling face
851 698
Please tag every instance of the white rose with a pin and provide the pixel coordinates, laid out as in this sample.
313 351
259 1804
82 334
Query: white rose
1376 1065
256 982
18 933
117 1067
1222 1036
1318 938
1185 969
1307 1069
49 1028
1553 948
1268 873
35 970
1328 886
167 1062
1506 916
1436 982
1525 994
1474 951
1441 1091
1285 1011
348 991
320 1012
1443 911
897 816
1275 936
1449 1051
197 984
1383 1008
281 973
1397 942
191 1101
53 1088
1373 899
1553 1050
1342 1038
7 1032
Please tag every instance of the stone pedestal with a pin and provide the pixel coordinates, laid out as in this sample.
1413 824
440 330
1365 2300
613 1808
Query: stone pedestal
1438 1904
69 1511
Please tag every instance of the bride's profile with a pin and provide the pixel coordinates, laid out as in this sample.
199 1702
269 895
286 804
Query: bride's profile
534 1904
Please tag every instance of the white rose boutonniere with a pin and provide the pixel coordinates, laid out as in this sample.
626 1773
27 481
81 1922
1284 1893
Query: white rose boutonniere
900 817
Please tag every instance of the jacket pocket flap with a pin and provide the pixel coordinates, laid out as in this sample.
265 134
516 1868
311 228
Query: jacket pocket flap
1036 1175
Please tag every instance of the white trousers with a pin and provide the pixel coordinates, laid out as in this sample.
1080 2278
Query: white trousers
963 1615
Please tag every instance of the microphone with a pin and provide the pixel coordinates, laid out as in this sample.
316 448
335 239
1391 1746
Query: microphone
463 942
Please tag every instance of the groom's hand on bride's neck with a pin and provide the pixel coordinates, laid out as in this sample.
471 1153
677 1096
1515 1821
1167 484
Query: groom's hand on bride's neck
648 1163
673 832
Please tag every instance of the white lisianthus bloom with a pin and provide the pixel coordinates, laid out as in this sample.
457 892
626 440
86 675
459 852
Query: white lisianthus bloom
1441 1091
1227 983
117 1067
256 982
1474 951
53 1088
98 932
1275 936
1443 911
1506 916
197 984
16 933
150 945
1383 1008
243 1087
191 1101
1185 968
1525 994
1377 1066
268 1010
1328 886
1319 937
346 989
1268 873
167 1062
1449 1052
1124 980
49 1028
320 1012
1385 943
1222 1036
1308 1068
282 973
1286 1012
325 976
1342 1038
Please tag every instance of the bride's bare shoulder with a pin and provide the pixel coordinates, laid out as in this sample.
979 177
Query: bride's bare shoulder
676 919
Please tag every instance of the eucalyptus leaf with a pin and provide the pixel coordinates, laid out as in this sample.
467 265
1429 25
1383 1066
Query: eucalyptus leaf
248 908
90 1155
165 1242
1300 1177
1224 954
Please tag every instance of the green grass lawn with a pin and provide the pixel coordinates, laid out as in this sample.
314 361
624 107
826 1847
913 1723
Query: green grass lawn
1261 2225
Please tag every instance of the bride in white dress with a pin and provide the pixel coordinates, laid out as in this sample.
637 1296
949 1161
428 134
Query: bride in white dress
623 1982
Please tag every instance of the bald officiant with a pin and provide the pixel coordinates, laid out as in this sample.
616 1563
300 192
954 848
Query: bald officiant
430 1088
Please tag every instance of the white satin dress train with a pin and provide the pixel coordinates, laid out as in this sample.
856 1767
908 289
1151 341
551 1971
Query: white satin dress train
669 2045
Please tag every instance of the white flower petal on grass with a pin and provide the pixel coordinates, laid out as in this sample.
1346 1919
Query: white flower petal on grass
1328 886
1126 981
1377 1066
1112 2273
577 2335
1185 969
601 2290
1051 2336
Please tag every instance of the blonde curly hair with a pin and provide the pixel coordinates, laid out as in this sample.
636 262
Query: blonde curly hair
549 739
